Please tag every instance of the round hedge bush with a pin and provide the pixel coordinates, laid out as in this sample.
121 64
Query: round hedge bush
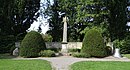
93 44
32 44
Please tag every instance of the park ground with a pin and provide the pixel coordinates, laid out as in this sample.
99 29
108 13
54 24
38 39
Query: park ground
63 63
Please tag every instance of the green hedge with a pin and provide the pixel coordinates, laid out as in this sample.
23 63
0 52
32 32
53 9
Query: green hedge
125 49
32 44
93 44
124 45
81 55
47 53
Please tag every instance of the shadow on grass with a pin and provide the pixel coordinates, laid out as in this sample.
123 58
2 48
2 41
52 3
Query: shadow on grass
7 56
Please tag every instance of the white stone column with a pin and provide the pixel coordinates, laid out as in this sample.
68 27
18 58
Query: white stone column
65 29
64 42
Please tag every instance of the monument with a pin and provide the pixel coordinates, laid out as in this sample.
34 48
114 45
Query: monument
117 53
64 42
16 50
110 44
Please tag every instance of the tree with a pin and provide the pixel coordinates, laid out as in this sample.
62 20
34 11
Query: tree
93 13
81 14
24 14
105 14
16 17
55 22
117 18
6 34
6 9
58 10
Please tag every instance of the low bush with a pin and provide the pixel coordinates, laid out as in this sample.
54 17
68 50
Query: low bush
74 50
125 48
47 53
123 45
54 49
81 55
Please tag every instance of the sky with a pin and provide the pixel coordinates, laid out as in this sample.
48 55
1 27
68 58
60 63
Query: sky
41 21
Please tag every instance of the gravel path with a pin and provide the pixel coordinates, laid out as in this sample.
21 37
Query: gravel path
63 62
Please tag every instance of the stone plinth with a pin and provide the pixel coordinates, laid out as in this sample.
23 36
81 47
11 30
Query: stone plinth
16 52
117 53
64 49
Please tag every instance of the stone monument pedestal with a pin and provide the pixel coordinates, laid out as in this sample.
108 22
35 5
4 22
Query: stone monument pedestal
64 49
16 50
117 53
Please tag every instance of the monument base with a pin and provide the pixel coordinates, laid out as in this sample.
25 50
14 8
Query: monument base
117 53
64 49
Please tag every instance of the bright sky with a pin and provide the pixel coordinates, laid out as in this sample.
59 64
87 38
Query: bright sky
41 21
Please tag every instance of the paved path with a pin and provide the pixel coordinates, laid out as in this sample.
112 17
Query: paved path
63 62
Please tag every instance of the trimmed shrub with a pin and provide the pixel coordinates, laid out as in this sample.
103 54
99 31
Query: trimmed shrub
47 53
32 44
93 44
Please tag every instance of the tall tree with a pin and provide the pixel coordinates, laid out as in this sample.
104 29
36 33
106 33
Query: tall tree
58 10
92 13
105 14
117 18
6 9
16 17
24 14
54 21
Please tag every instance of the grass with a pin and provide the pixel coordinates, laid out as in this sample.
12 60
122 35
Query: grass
6 56
7 63
91 65
126 55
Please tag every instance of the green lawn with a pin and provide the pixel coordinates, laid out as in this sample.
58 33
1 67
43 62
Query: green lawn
91 65
8 64
6 56
126 55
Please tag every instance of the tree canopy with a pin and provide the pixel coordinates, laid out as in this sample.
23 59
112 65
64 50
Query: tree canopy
109 15
16 16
